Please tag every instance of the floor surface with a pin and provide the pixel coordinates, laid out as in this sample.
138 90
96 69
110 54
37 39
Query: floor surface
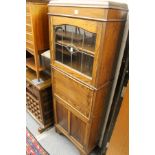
52 142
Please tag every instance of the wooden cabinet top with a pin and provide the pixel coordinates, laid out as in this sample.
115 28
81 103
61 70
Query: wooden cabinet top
86 39
89 3
92 10
38 1
30 76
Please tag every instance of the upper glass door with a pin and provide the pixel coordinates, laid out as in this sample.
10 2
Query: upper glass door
75 48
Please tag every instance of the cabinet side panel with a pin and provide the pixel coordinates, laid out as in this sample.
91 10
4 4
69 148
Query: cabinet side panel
119 142
98 114
40 25
78 128
109 50
47 107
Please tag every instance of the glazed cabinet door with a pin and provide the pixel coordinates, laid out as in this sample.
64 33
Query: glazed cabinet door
61 115
74 47
77 129
70 124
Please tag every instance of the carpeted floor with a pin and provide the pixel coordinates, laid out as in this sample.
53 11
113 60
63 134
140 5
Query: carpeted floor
32 145
52 142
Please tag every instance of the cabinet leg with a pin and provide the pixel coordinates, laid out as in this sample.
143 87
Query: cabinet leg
82 153
57 131
40 130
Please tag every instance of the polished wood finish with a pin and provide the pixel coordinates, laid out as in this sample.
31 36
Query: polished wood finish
38 100
80 101
31 64
45 77
62 114
119 142
90 127
109 35
37 34
69 90
85 24
78 129
96 13
109 49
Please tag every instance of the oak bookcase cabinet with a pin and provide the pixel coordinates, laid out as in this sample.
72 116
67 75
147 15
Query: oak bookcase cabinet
84 41
37 34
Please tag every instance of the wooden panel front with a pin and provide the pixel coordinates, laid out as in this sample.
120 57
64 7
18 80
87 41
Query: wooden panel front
78 12
89 13
62 115
77 128
88 25
75 74
78 96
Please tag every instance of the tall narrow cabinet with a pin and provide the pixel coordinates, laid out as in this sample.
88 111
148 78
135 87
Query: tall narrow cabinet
85 39
37 34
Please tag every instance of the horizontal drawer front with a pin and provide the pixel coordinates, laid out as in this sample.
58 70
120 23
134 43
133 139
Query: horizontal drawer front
89 13
28 19
29 45
75 94
29 37
79 12
29 28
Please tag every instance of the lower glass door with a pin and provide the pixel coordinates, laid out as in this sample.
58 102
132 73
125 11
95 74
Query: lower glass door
62 115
